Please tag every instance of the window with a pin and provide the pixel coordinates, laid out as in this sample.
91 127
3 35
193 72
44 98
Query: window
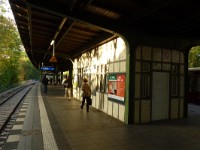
79 78
198 83
98 86
174 80
145 86
106 82
174 89
145 80
101 83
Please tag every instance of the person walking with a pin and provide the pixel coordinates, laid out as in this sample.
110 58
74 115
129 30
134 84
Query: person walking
67 83
45 84
69 88
86 94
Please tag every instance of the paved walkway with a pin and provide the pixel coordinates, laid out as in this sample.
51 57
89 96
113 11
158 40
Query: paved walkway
76 129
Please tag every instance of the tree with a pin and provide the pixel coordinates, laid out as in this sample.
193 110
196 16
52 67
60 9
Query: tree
28 71
194 57
15 67
10 52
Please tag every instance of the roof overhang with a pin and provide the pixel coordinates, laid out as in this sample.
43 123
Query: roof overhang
79 25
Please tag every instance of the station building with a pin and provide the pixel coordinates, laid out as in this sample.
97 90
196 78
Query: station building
139 86
134 53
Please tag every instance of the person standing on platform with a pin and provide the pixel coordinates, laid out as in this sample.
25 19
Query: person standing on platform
67 83
45 84
51 80
86 94
69 88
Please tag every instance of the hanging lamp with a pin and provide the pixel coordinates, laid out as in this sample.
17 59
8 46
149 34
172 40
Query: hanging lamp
53 58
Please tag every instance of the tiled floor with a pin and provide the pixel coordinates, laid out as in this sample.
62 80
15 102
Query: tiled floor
76 129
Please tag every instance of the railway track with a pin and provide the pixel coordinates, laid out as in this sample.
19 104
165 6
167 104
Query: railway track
193 109
9 106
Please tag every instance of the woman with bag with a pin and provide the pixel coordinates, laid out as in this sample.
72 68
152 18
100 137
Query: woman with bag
86 94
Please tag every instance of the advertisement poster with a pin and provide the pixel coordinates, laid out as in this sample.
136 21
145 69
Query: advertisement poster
116 87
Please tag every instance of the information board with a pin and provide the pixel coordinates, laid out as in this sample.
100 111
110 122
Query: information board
116 87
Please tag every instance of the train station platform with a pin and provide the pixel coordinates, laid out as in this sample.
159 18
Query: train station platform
49 122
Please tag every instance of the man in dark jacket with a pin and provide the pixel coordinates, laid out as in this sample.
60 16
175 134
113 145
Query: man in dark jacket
45 83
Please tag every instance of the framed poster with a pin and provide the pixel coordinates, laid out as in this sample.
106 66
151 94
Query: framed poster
116 87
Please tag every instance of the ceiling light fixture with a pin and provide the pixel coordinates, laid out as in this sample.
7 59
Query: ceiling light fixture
53 58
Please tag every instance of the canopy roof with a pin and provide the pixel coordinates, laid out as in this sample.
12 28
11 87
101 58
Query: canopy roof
79 25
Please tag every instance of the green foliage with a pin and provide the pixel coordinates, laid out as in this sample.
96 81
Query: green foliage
10 52
15 67
194 57
28 71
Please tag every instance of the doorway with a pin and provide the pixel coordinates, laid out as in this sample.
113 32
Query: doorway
160 96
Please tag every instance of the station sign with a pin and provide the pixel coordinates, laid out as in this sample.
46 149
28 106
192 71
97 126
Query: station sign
47 68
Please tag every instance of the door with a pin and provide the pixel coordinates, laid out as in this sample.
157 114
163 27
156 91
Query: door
160 96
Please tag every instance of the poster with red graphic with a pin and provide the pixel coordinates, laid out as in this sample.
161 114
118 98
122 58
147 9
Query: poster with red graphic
116 87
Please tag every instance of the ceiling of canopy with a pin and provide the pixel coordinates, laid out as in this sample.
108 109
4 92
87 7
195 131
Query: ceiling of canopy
79 25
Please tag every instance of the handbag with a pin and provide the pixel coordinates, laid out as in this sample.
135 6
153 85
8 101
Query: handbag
89 101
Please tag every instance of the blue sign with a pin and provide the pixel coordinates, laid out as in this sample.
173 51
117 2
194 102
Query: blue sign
47 68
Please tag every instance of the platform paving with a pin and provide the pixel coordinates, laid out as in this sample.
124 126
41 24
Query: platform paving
75 129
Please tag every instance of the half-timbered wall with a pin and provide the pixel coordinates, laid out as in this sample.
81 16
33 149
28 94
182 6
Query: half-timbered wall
159 84
97 65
